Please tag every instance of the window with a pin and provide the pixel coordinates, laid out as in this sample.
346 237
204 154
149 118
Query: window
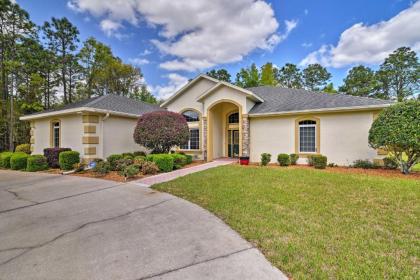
307 136
191 116
56 134
233 118
194 141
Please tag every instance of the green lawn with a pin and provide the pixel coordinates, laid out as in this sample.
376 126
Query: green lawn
316 224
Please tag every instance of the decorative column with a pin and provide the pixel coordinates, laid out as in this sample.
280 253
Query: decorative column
90 138
204 134
245 135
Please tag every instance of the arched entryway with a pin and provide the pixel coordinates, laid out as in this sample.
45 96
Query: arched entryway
224 130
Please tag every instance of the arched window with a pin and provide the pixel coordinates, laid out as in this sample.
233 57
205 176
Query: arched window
55 127
233 118
191 116
307 136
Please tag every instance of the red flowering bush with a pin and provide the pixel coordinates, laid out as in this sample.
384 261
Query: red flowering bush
161 130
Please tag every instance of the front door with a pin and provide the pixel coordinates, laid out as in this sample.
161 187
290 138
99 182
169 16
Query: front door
233 143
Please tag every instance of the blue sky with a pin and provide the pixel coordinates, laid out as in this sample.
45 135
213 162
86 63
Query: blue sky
172 41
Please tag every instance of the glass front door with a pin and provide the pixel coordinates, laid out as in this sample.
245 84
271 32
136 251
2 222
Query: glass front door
233 143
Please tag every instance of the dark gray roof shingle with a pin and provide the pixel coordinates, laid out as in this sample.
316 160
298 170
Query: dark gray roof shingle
111 102
277 99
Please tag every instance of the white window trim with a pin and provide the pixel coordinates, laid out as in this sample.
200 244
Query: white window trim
56 125
315 142
188 148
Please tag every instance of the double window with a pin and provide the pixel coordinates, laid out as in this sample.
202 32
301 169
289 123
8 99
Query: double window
56 134
233 118
192 117
307 136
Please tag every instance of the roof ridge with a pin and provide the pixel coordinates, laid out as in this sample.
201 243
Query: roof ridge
95 100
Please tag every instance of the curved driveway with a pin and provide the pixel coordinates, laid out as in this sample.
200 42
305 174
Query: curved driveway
66 227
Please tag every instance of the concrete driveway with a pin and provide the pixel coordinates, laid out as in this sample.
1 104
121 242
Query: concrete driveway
65 227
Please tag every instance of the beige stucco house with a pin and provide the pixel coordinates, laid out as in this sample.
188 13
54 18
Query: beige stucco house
224 121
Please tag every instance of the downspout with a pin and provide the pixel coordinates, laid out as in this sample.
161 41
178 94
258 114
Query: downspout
102 132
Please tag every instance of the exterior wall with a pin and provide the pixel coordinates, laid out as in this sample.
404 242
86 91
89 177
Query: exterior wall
343 136
118 136
71 133
228 94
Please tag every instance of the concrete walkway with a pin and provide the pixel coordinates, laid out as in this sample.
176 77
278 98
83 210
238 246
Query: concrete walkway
164 177
67 227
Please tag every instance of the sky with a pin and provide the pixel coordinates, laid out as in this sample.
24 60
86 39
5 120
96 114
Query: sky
174 41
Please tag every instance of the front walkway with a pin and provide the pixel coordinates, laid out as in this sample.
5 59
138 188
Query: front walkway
164 177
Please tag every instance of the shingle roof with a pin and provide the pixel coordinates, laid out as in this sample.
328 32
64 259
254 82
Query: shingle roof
277 100
110 102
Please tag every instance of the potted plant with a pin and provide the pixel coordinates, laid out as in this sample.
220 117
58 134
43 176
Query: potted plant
244 160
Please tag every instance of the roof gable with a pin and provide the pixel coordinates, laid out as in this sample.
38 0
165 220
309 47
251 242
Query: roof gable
247 93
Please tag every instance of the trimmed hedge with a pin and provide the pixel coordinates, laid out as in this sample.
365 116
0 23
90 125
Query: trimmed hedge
139 153
68 159
165 162
52 155
283 159
363 163
5 159
25 148
179 160
293 159
36 163
319 161
18 161
128 155
112 159
189 158
265 159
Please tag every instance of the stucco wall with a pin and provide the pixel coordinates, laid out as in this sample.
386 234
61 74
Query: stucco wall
343 136
118 136
228 94
71 133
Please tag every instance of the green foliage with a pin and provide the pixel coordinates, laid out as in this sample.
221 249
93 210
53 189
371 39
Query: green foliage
129 171
102 168
283 159
139 153
315 77
149 168
139 160
290 76
360 81
293 159
36 163
390 162
5 159
165 162
128 155
179 160
18 161
68 159
268 75
397 130
265 159
25 148
248 77
319 161
363 163
329 88
121 164
221 75
112 159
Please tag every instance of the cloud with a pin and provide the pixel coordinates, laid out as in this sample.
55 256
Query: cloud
371 44
138 61
196 34
110 27
306 45
175 82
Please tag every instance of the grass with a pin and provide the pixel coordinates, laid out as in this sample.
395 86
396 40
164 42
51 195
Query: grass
316 224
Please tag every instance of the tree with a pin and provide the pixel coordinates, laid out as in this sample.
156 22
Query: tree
268 75
360 81
290 76
221 75
315 77
161 130
330 89
402 70
143 94
397 130
62 38
248 77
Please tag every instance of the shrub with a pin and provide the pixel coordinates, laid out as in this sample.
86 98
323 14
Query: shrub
332 164
365 164
25 148
129 171
265 159
149 168
310 160
293 159
52 155
18 161
5 159
179 160
68 159
390 163
36 163
139 160
189 158
283 159
112 159
139 153
319 161
397 130
102 168
79 167
121 164
165 162
128 155
161 130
